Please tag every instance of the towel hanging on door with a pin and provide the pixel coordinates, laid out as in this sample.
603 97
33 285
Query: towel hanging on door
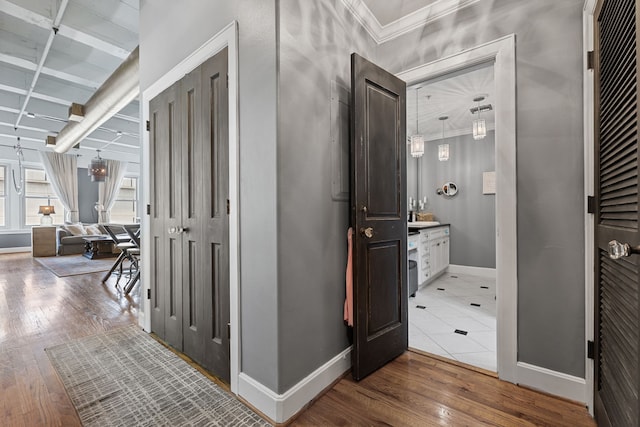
348 303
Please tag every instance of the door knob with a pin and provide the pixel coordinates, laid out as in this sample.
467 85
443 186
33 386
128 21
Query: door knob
618 250
177 230
367 232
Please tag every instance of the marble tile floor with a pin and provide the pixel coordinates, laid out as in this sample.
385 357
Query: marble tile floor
461 302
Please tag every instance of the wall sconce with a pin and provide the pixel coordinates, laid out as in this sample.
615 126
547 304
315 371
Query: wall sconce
46 211
479 125
417 140
98 169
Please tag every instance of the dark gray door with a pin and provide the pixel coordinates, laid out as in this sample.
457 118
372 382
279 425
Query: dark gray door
166 212
215 213
192 234
378 215
617 316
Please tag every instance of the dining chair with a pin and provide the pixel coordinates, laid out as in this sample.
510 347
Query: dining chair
123 242
133 231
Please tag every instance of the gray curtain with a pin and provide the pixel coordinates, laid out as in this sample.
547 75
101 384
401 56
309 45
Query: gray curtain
62 170
108 190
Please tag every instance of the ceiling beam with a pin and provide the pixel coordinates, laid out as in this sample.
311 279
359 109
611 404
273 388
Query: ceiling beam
32 66
59 101
43 22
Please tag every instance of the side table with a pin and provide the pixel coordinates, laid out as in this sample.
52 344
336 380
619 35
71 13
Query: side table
43 241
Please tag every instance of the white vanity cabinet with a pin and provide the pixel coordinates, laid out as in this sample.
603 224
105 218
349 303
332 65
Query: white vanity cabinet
439 250
424 272
434 253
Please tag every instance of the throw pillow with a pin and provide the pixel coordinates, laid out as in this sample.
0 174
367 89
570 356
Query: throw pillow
92 230
75 229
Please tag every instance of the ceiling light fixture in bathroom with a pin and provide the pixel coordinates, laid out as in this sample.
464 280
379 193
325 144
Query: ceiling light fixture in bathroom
479 124
443 149
417 141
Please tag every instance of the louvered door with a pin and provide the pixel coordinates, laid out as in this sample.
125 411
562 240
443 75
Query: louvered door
617 280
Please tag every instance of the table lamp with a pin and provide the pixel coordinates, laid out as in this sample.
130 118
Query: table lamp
46 211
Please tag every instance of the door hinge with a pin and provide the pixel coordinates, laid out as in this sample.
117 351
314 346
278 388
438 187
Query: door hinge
148 293
228 207
590 60
227 80
148 126
228 331
590 350
148 209
591 204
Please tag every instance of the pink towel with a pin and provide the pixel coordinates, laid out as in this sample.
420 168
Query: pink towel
348 303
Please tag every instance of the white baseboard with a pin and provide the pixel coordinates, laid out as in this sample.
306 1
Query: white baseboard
281 407
476 271
553 382
15 250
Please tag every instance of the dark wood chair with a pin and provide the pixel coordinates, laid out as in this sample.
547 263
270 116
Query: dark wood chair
123 242
133 231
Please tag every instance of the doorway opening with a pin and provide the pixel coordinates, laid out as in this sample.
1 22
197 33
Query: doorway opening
452 221
501 53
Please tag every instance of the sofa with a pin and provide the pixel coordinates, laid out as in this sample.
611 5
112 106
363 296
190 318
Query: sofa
70 237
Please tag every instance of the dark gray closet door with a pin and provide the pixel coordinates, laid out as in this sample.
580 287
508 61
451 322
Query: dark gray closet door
190 217
166 213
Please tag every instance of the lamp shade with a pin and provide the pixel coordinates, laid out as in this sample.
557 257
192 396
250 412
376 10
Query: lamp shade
98 169
417 146
479 129
46 210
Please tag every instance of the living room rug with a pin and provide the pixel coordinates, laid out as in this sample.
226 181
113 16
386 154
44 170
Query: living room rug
124 377
71 265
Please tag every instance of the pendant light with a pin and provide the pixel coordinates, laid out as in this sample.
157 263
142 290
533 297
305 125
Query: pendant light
443 149
417 140
98 169
479 125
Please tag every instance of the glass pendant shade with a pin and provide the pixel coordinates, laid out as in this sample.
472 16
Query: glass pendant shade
443 152
417 146
98 169
479 129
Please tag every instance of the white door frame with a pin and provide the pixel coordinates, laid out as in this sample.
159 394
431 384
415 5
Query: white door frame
227 37
589 219
501 53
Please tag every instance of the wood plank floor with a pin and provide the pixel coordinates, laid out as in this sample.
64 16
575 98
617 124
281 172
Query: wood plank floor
39 310
418 390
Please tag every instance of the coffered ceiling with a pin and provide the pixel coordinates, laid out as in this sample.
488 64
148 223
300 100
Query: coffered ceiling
93 38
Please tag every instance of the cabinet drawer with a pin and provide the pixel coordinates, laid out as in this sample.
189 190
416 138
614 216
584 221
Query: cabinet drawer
439 233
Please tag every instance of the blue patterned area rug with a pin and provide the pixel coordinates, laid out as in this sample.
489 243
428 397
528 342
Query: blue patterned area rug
124 377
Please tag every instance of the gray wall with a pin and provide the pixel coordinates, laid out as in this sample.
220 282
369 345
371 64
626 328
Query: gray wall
549 150
87 197
160 50
316 40
470 213
15 240
293 234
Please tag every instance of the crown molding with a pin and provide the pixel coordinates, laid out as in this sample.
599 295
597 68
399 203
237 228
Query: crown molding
419 18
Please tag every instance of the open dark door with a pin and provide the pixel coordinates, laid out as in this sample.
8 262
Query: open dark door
378 216
617 313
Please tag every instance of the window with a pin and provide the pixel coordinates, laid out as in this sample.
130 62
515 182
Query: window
3 195
125 208
37 190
